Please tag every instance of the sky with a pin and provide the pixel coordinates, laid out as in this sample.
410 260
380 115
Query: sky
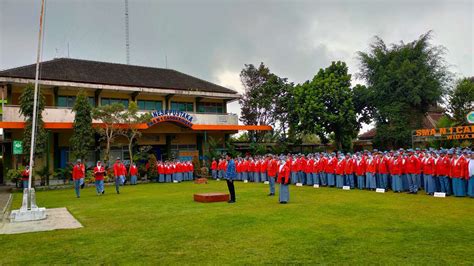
213 39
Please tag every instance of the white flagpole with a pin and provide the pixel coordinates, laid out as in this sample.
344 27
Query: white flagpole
35 99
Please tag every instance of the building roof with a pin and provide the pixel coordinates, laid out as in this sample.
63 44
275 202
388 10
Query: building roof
86 71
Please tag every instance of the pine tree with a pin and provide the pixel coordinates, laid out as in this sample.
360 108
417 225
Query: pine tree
83 134
26 109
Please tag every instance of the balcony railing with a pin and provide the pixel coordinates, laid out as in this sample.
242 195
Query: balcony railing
11 113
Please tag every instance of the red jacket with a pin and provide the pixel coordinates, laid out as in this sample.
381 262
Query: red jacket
443 166
428 165
245 166
302 164
272 168
309 166
413 165
458 168
371 166
133 170
99 173
77 172
322 164
25 175
396 166
331 166
349 167
340 167
383 165
360 166
283 174
214 165
263 166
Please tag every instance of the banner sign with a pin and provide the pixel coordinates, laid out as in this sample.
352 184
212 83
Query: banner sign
450 133
180 117
17 147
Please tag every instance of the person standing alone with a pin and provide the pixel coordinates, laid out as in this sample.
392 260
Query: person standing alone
230 175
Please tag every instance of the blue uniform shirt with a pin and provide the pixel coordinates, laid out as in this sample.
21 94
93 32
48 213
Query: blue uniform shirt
231 173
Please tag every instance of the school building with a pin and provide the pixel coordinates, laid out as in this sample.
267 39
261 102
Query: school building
187 111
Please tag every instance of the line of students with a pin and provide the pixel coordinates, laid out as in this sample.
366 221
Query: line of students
174 171
449 171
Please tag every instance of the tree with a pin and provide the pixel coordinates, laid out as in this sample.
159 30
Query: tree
266 100
82 139
325 105
131 119
152 170
110 116
403 81
461 100
26 109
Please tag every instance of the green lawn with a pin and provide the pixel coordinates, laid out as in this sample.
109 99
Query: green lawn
160 223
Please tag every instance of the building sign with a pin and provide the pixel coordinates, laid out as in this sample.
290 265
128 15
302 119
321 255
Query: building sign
182 118
450 133
470 117
17 147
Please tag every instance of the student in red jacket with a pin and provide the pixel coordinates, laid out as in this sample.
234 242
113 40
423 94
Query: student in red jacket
263 169
370 172
429 168
245 170
360 165
214 168
25 176
161 171
458 175
396 172
272 172
119 174
77 174
412 168
284 181
349 171
99 172
331 170
341 165
382 171
133 173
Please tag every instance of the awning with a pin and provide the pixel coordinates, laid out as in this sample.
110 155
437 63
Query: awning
196 127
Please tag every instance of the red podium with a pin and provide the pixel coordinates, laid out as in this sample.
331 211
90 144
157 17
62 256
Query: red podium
211 197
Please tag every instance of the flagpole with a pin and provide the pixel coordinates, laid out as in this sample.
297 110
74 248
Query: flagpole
35 99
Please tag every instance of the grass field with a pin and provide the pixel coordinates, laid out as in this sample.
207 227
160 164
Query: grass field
160 224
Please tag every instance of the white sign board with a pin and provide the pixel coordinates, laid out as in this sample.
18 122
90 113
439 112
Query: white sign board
439 195
299 184
266 182
380 190
346 188
316 186
246 181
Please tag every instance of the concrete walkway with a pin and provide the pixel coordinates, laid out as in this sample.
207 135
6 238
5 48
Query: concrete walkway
5 201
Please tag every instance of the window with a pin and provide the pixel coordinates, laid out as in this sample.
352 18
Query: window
68 101
217 108
107 101
184 107
149 105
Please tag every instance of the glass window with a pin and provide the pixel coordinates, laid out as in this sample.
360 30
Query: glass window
149 105
204 107
92 101
184 107
107 101
66 101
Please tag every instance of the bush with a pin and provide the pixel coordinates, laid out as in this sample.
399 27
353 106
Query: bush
14 175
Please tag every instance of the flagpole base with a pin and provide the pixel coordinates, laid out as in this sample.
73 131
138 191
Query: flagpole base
29 211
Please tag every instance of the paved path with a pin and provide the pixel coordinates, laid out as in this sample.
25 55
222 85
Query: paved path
5 198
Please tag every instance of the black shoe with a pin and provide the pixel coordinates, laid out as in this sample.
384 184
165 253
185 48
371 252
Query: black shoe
271 194
82 186
231 201
283 202
118 192
103 192
125 182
